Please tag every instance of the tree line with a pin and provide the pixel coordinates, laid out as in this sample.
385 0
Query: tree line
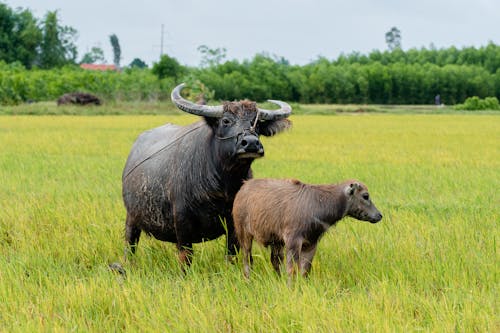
487 56
261 78
38 62
373 82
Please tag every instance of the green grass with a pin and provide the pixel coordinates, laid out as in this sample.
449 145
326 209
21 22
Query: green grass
432 263
108 108
167 108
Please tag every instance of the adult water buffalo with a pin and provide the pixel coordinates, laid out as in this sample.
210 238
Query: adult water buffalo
179 182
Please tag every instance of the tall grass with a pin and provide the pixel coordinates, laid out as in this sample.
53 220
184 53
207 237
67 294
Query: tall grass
431 264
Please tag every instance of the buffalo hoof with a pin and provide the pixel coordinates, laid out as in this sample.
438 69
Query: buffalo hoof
118 269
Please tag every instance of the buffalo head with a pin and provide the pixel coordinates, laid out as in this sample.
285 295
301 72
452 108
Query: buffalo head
237 125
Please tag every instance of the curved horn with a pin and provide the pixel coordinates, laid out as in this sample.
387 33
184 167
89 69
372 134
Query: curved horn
190 107
281 113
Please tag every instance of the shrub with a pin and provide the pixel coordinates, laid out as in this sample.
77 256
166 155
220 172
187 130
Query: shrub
18 85
476 103
168 67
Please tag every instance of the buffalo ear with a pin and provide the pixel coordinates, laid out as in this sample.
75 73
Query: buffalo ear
211 121
272 127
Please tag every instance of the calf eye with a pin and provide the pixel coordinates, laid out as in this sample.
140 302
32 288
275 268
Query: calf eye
366 196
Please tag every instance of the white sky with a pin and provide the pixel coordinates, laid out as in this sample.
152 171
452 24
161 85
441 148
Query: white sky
298 30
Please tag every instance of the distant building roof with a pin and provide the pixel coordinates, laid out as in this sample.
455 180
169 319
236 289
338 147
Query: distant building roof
96 67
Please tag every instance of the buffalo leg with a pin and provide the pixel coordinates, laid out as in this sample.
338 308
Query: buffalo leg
132 235
232 244
277 256
185 254
183 232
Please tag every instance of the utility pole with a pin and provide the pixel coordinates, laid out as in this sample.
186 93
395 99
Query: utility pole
161 42
162 38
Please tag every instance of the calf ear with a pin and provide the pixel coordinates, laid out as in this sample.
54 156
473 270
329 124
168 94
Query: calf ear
272 127
351 189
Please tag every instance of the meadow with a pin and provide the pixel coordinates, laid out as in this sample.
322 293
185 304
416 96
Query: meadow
431 264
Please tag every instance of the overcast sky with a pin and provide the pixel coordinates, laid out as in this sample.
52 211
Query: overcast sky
298 30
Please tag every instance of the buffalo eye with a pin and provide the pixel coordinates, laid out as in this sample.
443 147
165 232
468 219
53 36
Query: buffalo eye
226 121
366 196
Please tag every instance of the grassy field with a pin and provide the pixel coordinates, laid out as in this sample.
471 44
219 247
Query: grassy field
432 263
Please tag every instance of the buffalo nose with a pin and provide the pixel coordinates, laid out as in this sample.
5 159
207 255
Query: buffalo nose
251 143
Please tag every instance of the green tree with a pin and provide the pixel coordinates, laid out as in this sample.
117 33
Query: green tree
7 24
96 55
138 63
57 47
393 38
211 57
491 57
168 67
115 44
20 36
29 37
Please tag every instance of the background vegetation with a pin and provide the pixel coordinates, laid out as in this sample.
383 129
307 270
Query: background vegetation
476 103
395 77
38 62
431 264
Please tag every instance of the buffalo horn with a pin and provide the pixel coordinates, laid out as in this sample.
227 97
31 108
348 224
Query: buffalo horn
190 107
281 113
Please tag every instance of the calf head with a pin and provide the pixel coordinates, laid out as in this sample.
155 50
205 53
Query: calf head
359 203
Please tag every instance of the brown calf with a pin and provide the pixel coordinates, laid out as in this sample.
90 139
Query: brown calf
292 215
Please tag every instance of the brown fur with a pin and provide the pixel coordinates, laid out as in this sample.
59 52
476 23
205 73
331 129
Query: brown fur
241 106
291 215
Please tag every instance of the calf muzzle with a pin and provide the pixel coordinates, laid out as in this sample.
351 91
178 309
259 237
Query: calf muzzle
376 218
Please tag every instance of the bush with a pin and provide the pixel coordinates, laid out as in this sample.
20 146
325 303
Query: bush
18 85
476 103
168 67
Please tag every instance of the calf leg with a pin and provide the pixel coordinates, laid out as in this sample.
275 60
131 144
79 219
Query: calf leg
306 257
277 256
293 256
132 235
247 261
246 251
